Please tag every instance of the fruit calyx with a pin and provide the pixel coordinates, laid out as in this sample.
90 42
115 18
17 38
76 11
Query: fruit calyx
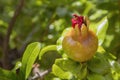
80 26
77 20
80 43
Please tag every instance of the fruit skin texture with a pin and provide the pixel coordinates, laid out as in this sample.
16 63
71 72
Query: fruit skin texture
80 43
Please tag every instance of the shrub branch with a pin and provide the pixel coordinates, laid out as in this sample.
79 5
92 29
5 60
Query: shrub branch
5 61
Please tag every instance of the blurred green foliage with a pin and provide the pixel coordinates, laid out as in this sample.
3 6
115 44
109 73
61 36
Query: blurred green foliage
44 21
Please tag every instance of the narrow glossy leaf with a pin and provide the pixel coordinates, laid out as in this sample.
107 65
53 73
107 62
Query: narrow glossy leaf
29 57
111 56
60 73
7 75
101 30
45 49
32 58
27 54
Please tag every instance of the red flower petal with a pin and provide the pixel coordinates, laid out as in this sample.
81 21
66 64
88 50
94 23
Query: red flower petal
77 20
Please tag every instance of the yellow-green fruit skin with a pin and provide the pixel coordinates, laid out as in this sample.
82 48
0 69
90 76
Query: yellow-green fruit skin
80 49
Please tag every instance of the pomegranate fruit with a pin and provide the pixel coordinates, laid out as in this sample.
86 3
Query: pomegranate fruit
80 43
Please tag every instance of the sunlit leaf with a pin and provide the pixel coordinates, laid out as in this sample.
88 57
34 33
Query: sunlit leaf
101 30
79 70
68 65
45 49
60 73
29 57
32 58
17 66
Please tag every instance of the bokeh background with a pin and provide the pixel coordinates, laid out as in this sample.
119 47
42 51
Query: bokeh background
44 21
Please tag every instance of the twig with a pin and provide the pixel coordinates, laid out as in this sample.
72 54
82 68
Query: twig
45 72
5 60
37 73
40 74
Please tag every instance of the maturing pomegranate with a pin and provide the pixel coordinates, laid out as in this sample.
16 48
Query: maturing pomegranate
80 43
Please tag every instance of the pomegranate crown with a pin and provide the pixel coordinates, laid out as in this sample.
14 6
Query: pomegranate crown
77 20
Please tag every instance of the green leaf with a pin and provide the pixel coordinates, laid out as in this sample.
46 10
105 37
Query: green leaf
60 73
45 49
32 58
59 45
99 64
115 66
102 29
83 72
17 66
101 49
7 75
107 55
29 57
26 55
68 65
95 77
